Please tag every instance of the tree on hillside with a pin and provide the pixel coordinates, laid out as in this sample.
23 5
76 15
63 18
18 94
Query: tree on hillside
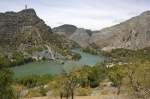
134 78
138 79
6 91
116 76
73 83
65 85
59 86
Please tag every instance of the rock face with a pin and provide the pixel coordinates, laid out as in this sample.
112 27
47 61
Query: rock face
24 30
24 23
78 35
131 34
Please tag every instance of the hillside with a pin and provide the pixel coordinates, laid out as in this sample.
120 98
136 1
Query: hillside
24 32
131 34
79 35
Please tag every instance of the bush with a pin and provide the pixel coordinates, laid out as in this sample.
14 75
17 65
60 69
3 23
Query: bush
98 73
6 90
90 50
33 93
76 56
84 91
43 91
4 61
35 80
19 59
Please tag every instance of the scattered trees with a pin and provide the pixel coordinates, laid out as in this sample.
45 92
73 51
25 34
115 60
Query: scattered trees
90 50
134 77
6 90
98 73
34 80
19 59
138 79
116 75
65 85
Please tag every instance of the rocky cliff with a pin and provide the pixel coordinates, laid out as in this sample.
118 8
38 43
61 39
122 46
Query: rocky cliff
25 32
131 34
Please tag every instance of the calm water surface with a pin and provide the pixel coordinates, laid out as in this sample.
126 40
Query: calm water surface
45 67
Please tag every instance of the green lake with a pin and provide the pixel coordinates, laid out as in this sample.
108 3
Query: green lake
45 67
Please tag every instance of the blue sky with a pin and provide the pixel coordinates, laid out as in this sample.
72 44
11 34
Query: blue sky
91 14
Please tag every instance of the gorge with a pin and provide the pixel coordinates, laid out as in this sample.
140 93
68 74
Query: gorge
24 32
40 60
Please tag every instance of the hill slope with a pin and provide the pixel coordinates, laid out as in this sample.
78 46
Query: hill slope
131 34
79 35
25 32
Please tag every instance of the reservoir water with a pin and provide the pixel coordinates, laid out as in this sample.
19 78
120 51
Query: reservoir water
45 67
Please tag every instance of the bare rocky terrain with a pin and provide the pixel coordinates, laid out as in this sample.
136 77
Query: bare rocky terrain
131 34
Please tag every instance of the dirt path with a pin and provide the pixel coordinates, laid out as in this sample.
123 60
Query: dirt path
87 97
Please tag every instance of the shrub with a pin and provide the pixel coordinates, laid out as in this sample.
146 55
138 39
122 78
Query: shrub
35 80
83 91
33 93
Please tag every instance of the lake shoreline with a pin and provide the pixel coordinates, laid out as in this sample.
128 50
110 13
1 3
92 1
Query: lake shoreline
53 68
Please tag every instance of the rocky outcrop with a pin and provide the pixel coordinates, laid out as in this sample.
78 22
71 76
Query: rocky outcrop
79 35
131 34
24 26
24 30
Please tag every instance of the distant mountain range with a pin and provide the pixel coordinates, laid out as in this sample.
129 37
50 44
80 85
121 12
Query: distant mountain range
24 31
131 34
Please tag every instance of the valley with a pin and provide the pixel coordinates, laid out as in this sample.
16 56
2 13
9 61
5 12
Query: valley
54 55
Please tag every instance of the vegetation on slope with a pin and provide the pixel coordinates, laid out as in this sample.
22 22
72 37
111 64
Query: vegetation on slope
6 90
34 80
129 74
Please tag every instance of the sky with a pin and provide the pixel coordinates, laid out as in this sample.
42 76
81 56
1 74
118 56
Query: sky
90 14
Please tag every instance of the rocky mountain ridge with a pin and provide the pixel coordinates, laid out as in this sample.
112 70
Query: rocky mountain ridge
25 32
131 34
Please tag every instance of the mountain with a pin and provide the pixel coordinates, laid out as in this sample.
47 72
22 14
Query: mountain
131 34
79 35
65 30
25 32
